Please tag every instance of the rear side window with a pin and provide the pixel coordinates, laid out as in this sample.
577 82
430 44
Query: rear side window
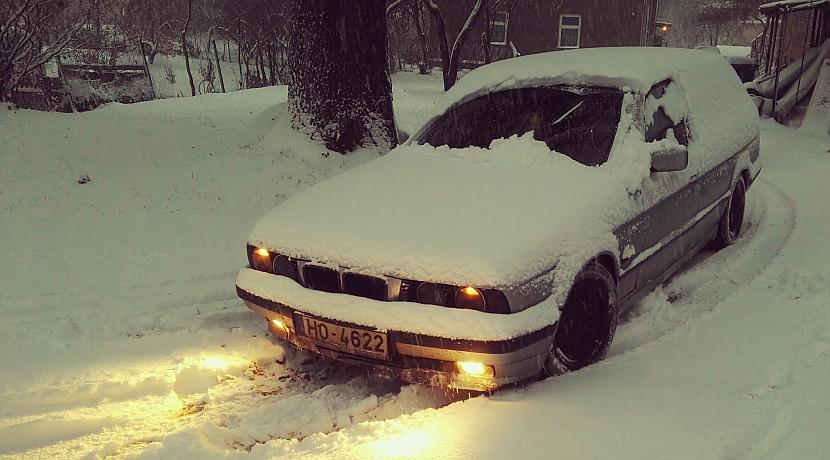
667 114
579 124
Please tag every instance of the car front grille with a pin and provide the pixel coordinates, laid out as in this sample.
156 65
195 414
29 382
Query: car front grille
321 278
365 286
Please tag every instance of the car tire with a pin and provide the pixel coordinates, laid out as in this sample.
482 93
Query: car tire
587 322
732 220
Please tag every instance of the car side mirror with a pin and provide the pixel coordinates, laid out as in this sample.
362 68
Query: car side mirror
670 159
403 136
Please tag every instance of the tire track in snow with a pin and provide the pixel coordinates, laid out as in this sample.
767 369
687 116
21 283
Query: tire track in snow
711 277
231 409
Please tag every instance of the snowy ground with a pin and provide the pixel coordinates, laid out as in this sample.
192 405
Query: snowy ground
122 335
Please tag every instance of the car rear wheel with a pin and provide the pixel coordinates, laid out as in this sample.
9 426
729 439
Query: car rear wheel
587 322
729 227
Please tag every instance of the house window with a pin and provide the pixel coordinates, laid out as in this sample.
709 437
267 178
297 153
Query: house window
498 28
569 30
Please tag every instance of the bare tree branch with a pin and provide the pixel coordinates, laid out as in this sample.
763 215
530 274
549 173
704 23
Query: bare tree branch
450 57
395 5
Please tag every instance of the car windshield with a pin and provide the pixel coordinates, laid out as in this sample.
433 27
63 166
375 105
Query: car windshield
578 122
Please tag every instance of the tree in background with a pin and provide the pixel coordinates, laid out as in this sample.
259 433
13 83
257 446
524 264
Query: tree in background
717 17
32 33
184 47
259 29
339 91
422 31
710 22
451 36
146 22
450 56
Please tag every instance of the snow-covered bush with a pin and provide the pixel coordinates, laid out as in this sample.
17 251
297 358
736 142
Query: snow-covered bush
89 94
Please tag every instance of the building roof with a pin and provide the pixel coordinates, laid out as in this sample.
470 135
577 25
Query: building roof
782 6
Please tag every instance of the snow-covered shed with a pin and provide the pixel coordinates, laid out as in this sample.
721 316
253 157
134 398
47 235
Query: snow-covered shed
795 43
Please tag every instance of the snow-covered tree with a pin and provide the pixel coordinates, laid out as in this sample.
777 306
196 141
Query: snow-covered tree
32 33
339 91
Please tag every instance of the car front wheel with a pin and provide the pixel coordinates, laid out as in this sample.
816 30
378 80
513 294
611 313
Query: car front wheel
587 322
729 227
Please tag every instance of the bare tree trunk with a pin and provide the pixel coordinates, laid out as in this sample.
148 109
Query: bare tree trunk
423 67
147 67
247 57
455 55
261 56
270 54
441 30
218 66
184 47
152 56
450 57
5 91
239 63
340 92
485 37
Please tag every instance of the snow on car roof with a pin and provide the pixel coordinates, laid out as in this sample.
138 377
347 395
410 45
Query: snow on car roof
732 54
735 51
629 68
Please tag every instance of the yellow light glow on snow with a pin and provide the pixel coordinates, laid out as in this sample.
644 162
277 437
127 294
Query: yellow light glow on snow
214 363
172 402
410 444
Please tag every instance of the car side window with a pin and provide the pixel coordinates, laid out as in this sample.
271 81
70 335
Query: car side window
666 114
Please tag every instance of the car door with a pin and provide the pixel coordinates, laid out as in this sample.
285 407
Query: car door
652 241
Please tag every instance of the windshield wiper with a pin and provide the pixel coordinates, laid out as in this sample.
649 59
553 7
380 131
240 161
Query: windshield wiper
568 112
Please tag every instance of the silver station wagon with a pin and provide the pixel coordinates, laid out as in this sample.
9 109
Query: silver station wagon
544 196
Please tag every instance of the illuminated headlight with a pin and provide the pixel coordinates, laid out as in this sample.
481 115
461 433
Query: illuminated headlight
469 297
474 368
260 259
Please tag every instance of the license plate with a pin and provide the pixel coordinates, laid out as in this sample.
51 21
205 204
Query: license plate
348 339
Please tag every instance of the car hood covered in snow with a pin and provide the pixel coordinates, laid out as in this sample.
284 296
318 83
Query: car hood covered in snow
486 217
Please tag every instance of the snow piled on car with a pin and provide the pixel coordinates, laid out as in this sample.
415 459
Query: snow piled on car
483 217
497 217
630 69
494 217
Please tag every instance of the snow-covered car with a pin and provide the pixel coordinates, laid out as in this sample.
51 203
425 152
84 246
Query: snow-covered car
543 198
739 57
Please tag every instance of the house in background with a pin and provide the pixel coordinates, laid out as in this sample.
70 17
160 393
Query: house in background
517 27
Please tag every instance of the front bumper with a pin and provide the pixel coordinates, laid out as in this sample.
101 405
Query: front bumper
419 358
